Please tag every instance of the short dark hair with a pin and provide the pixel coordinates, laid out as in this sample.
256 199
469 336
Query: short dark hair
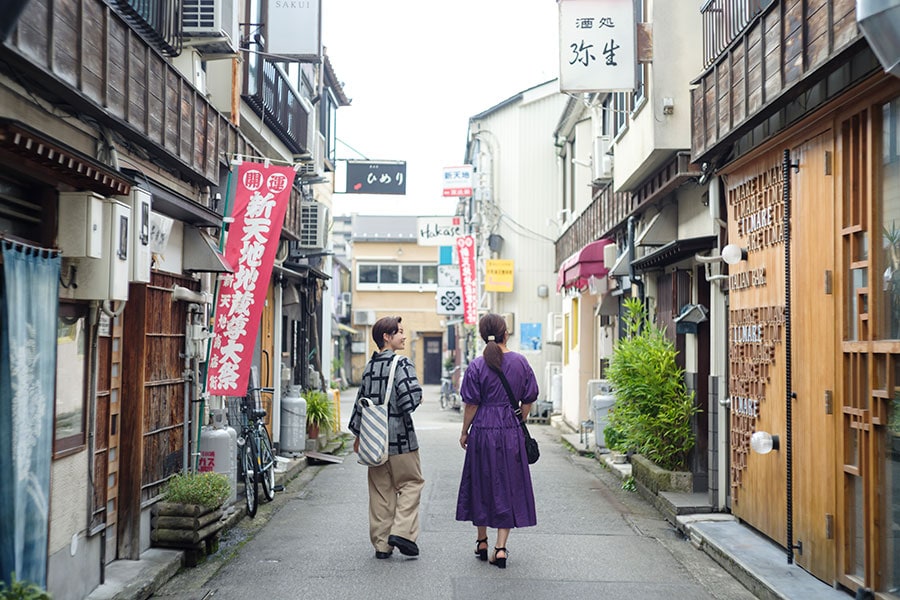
385 325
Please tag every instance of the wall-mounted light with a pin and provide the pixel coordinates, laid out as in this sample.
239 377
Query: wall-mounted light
879 21
733 254
763 442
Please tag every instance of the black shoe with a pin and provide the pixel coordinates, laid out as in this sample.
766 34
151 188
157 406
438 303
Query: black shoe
405 546
382 555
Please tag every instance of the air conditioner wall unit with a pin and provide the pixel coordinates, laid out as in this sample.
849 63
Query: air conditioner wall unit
602 160
313 226
364 317
214 19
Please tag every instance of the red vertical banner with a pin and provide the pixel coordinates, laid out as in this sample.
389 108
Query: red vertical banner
260 203
465 248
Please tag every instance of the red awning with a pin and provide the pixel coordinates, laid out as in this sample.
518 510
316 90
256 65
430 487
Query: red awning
576 270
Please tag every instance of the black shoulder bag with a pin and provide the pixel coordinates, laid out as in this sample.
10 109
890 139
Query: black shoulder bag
531 445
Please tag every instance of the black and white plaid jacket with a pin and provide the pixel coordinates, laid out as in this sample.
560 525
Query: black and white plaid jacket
406 398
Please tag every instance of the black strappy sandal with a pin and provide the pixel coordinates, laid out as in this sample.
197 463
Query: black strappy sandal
481 553
500 562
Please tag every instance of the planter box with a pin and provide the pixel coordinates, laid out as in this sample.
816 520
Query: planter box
656 479
189 527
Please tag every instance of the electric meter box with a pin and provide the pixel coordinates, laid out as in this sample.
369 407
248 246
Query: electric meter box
81 224
107 277
140 203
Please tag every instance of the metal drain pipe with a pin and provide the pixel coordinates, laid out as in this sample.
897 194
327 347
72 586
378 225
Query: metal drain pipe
786 166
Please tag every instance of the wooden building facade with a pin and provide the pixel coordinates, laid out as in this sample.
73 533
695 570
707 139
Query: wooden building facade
799 125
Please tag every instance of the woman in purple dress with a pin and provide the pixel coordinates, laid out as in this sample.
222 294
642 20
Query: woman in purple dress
495 490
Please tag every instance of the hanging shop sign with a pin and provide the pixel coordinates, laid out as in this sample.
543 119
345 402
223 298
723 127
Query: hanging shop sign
449 300
498 275
367 177
439 231
260 202
293 29
597 46
458 181
465 248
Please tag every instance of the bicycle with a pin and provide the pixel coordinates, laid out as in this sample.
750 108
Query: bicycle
257 456
449 396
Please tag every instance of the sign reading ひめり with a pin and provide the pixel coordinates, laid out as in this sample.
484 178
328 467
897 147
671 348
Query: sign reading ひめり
260 202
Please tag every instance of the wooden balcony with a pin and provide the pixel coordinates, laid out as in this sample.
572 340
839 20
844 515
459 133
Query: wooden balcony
268 92
759 62
81 54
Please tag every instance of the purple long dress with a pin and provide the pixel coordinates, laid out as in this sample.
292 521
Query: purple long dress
495 490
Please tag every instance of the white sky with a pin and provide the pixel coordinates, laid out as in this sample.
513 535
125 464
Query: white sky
415 72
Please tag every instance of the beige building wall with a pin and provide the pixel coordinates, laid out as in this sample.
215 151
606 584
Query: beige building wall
418 308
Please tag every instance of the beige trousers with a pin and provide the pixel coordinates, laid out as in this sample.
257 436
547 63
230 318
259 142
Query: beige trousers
394 492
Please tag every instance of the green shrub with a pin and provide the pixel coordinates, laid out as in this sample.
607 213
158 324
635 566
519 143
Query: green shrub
319 410
22 590
208 489
614 438
653 410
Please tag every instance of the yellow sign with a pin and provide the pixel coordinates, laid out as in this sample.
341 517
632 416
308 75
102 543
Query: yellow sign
498 276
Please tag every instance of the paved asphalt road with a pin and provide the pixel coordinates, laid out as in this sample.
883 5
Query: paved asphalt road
593 539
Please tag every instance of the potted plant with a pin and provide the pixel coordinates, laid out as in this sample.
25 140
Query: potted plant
319 413
189 516
653 411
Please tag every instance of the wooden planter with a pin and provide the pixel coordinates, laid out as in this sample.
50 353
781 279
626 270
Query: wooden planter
190 527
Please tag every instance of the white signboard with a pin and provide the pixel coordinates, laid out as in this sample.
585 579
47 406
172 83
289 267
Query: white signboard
458 181
449 300
439 231
293 29
448 275
597 46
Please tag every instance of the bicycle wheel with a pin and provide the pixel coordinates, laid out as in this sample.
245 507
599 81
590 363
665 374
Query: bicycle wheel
251 494
443 398
266 460
456 400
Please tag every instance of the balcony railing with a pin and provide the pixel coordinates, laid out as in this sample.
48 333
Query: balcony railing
270 94
723 22
158 21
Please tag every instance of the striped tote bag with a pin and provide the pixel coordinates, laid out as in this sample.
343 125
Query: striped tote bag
373 426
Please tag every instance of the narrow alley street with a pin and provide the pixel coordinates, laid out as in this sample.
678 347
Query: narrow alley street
593 539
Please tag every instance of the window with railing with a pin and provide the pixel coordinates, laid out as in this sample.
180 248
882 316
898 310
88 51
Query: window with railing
158 22
723 22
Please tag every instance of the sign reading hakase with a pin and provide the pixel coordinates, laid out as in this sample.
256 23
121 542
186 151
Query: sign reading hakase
260 203
465 247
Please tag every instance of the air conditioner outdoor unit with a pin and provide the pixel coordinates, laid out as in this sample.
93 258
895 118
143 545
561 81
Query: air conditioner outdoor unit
213 19
602 162
314 166
313 225
364 317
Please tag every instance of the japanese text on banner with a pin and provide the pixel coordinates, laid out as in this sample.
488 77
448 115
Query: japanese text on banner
260 203
465 246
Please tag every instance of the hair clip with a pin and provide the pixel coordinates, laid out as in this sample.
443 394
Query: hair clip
491 338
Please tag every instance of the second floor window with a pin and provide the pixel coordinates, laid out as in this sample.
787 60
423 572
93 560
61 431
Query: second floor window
397 276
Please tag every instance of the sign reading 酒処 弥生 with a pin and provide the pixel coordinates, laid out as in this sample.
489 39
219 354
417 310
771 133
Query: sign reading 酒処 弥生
597 46
260 202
